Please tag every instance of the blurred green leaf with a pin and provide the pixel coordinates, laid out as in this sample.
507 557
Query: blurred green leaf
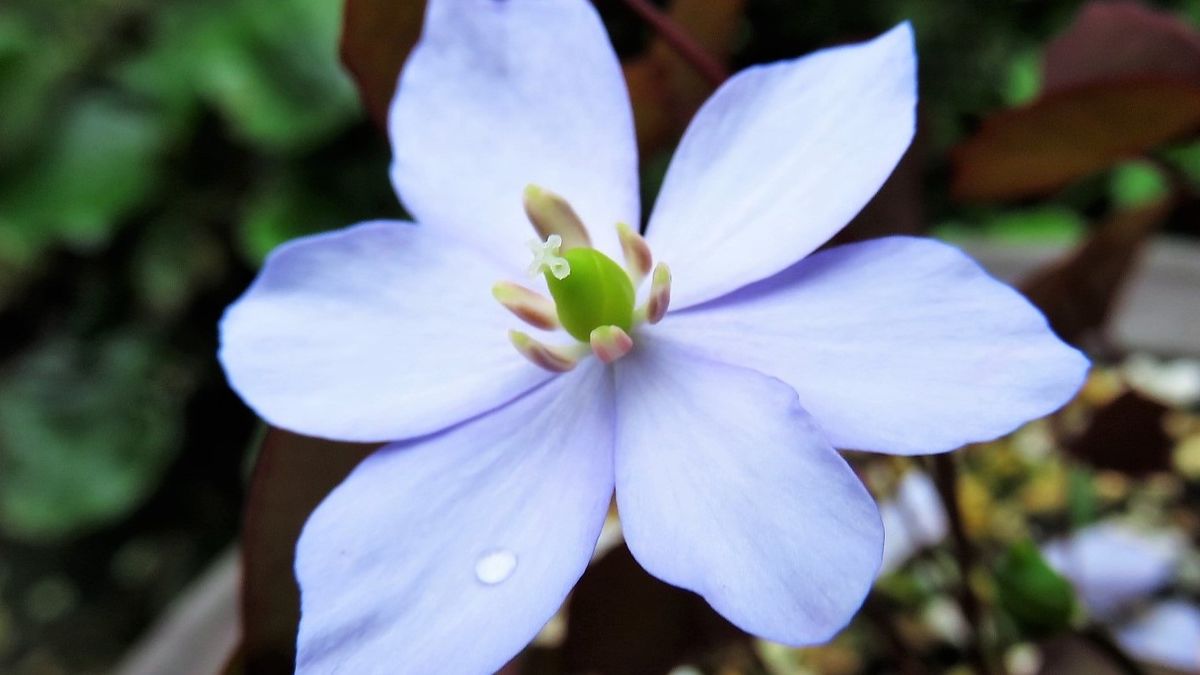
30 75
1046 224
1049 224
98 166
165 72
174 260
1034 595
282 208
1081 497
1135 184
271 68
86 429
1186 157
1024 78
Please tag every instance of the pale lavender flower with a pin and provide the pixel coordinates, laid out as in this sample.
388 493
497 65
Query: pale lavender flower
1117 568
1166 633
913 519
715 424
1112 564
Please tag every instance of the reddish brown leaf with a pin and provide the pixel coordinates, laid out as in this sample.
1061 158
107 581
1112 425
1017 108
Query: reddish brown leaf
622 621
1070 134
1119 81
292 476
664 89
1127 435
1077 294
376 38
1112 41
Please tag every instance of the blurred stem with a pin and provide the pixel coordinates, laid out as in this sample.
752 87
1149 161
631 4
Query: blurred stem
945 475
878 613
1100 639
678 39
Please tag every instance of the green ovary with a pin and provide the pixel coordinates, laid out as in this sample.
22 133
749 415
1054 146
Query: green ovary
597 292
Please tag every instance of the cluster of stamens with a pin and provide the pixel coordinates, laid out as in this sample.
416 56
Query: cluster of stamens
592 298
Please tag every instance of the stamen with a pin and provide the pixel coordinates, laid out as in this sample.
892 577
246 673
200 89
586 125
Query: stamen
638 258
530 306
610 343
660 295
546 257
552 215
556 359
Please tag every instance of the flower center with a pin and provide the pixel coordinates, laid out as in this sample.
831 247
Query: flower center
593 296
589 291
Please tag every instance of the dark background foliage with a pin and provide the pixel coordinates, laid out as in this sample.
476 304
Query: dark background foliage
153 151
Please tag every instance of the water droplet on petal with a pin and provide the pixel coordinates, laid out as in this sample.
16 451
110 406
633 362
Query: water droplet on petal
495 566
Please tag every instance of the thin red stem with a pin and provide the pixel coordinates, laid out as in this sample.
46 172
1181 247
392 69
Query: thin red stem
678 39
945 476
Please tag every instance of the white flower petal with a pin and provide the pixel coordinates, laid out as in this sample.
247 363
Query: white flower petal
377 332
779 160
447 554
896 345
726 487
501 94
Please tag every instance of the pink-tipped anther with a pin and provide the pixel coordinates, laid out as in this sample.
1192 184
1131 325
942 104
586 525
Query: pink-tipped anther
660 294
552 358
638 258
528 305
551 214
610 343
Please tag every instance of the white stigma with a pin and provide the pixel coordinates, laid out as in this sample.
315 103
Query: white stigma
546 256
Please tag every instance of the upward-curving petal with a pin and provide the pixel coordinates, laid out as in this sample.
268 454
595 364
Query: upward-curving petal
447 554
726 487
499 94
780 159
897 345
378 332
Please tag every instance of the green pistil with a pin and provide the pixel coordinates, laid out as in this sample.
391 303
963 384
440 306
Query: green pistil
597 292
